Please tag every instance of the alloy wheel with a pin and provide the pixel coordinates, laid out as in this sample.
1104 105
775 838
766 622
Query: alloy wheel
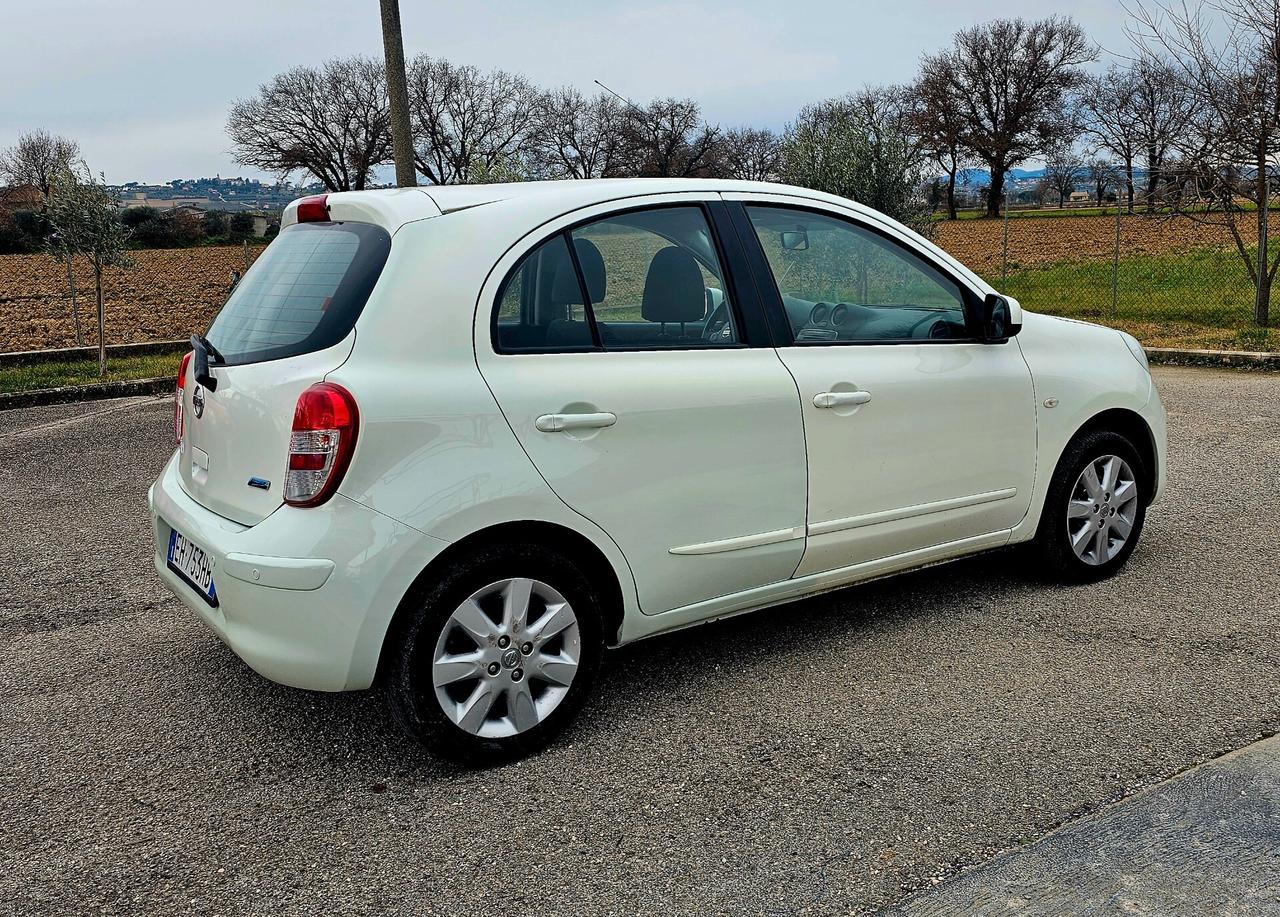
506 658
1102 509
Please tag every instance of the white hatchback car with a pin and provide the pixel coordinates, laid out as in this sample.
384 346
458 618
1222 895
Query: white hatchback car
464 438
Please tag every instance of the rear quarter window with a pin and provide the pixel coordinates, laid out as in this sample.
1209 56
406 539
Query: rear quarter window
304 293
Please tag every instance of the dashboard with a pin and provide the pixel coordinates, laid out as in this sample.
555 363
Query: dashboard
823 321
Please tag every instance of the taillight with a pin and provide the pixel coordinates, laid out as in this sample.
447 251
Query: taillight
178 427
324 436
314 209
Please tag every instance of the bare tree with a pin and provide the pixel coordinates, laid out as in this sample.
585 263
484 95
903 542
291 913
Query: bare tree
1101 174
1062 169
668 138
1231 72
37 159
576 137
85 221
1107 104
331 122
940 123
466 121
1011 78
1160 109
751 154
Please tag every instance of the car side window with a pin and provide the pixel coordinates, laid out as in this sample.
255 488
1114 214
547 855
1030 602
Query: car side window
639 280
541 306
841 282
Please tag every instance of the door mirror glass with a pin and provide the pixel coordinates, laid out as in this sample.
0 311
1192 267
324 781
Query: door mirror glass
997 319
794 240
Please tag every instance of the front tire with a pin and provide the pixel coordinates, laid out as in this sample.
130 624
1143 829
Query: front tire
496 656
1095 508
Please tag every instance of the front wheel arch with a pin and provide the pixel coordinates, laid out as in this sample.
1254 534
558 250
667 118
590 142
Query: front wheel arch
1133 427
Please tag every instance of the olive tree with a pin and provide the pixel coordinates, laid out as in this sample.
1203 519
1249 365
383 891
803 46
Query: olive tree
84 218
861 146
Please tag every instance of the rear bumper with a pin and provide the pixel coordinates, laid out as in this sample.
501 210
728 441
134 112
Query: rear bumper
305 596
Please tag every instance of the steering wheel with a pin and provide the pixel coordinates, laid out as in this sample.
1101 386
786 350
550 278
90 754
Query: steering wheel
718 328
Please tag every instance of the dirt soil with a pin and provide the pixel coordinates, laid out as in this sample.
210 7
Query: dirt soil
1034 242
165 295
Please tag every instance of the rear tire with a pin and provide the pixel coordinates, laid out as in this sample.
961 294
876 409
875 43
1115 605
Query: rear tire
495 657
1094 510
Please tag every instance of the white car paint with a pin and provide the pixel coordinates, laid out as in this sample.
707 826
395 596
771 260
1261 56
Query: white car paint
721 488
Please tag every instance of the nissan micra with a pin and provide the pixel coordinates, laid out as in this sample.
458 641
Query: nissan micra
459 440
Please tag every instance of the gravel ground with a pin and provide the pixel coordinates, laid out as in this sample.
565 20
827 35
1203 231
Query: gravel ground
825 757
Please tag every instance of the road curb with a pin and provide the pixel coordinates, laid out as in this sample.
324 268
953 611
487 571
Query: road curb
1235 359
69 354
92 392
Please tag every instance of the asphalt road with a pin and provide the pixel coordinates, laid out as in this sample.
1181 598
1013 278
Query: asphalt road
828 756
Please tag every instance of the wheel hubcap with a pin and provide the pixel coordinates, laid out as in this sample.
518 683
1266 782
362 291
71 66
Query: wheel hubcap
506 658
1102 509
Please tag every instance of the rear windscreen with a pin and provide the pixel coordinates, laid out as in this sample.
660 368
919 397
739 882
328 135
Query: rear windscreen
304 293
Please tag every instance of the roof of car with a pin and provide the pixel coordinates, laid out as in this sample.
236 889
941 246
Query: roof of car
456 197
393 207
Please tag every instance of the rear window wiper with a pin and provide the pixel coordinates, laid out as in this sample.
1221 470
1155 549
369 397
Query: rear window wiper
204 351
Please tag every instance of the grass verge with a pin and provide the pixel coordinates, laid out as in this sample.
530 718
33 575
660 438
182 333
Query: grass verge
55 374
1196 300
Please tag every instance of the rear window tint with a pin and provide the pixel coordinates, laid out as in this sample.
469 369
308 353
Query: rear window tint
304 293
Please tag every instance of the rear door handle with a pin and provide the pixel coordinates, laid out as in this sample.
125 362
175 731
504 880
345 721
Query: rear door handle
557 423
839 399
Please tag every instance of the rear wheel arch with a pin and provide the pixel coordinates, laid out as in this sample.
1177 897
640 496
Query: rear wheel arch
573 545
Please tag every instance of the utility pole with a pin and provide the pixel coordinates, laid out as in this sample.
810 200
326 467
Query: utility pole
398 91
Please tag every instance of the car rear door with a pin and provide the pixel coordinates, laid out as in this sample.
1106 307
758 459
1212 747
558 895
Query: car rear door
919 436
617 346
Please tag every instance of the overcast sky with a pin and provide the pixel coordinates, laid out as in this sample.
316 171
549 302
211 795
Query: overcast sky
145 85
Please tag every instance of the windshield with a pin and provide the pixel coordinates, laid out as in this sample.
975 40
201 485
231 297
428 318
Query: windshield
304 293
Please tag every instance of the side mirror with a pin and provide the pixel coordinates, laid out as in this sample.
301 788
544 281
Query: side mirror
1001 318
794 240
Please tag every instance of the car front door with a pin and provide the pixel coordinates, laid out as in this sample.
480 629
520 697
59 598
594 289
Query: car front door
617 350
919 436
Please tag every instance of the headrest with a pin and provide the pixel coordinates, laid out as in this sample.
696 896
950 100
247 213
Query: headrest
673 288
564 282
592 263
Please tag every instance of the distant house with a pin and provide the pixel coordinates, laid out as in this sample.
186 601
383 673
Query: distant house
21 197
1080 197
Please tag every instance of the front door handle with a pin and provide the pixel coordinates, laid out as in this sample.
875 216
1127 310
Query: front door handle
839 399
557 423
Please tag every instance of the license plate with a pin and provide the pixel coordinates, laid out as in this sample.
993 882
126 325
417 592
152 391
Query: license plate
190 562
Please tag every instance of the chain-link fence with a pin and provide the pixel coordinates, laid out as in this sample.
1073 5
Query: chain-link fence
1170 279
